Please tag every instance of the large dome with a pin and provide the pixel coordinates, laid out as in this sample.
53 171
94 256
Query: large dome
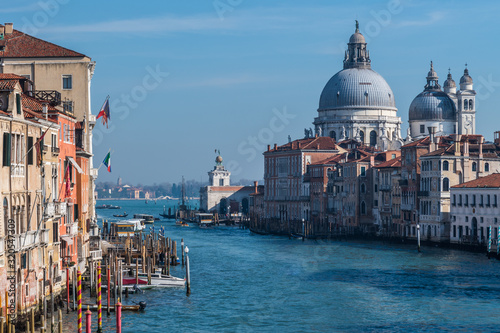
432 105
357 88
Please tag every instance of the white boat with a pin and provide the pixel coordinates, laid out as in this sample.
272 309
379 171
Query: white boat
128 228
157 280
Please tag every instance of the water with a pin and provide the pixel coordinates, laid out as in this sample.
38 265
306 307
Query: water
243 282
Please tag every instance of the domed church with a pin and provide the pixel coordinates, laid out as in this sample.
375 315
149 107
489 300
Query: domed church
358 103
449 111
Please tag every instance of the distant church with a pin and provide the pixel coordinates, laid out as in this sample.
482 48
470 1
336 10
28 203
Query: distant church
449 111
222 198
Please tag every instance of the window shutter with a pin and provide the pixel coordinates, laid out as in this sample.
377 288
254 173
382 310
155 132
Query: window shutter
18 102
31 148
6 149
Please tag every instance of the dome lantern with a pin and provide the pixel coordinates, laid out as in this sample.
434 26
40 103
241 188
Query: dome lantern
357 55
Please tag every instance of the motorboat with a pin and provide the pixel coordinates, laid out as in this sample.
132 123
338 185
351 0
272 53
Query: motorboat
107 207
148 219
121 215
157 280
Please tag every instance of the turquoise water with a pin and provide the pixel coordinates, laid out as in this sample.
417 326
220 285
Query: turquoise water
243 282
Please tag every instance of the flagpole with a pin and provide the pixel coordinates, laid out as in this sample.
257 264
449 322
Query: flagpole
31 148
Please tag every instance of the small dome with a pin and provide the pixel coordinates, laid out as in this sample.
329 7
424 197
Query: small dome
449 83
357 38
466 79
432 105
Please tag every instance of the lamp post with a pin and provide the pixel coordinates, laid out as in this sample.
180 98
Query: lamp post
418 236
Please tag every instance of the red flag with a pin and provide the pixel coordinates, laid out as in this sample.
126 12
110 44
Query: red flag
104 113
68 182
39 148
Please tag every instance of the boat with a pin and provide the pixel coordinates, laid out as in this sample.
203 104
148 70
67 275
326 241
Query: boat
108 207
169 215
157 280
148 219
139 307
121 215
181 223
204 219
128 227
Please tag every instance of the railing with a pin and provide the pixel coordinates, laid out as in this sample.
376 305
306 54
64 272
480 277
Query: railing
52 96
385 187
55 150
94 173
17 170
50 209
44 236
423 193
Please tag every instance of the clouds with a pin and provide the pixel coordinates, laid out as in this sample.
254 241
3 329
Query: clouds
431 19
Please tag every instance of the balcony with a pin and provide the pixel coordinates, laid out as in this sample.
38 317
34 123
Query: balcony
52 96
94 172
423 193
72 229
44 236
385 187
55 150
403 182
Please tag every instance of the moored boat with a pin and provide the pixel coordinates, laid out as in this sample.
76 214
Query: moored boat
148 219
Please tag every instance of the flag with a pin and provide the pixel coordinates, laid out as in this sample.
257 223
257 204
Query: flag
107 162
68 181
104 113
39 148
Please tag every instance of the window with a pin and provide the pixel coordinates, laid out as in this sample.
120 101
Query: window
473 200
466 104
393 156
460 200
221 182
471 105
333 135
363 208
6 149
454 202
466 200
454 231
30 152
481 202
68 106
486 167
495 200
18 149
474 166
422 128
18 103
363 188
363 171
488 200
67 82
373 138
446 165
446 184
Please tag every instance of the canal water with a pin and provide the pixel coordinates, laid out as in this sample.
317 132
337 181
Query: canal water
242 282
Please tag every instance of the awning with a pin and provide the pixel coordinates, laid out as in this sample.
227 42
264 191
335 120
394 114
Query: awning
68 240
72 160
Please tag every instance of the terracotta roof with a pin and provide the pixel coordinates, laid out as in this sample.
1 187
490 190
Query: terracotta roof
394 163
10 76
319 143
8 84
491 181
35 104
330 160
21 45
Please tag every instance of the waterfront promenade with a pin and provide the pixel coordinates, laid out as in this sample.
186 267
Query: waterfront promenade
242 282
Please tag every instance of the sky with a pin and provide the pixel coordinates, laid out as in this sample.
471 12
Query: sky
187 78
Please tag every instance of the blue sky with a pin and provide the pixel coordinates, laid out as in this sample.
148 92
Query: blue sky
237 75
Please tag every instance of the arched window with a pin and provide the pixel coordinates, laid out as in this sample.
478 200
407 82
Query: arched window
459 104
333 135
363 188
362 136
471 105
446 165
466 104
474 166
363 208
486 167
373 138
446 184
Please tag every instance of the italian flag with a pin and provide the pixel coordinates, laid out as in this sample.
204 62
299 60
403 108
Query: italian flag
107 161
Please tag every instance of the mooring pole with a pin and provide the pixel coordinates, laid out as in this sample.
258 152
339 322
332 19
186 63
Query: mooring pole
418 237
188 279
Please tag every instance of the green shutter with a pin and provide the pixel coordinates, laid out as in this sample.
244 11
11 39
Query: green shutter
6 149
18 102
30 150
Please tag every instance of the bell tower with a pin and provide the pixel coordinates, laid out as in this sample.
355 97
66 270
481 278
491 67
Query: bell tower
466 102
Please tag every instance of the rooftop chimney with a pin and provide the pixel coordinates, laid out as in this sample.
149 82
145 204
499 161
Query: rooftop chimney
2 31
432 133
9 28
275 146
481 139
268 147
45 109
256 186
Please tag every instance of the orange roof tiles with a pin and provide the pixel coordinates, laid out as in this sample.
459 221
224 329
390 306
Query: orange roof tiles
394 163
21 45
491 181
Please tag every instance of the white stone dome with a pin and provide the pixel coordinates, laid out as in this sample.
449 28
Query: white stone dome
357 88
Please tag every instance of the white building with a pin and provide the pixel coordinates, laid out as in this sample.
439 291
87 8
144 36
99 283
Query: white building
220 197
474 208
358 103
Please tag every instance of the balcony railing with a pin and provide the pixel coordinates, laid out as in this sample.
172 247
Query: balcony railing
423 193
96 255
385 187
55 150
52 96
72 229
